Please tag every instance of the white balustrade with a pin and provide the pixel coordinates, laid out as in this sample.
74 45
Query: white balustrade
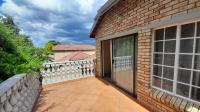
19 93
70 70
123 63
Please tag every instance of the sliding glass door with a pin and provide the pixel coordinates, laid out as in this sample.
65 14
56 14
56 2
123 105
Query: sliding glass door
123 62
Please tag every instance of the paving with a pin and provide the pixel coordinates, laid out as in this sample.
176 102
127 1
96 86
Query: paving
85 95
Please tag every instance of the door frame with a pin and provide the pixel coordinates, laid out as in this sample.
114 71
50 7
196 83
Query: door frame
135 36
103 58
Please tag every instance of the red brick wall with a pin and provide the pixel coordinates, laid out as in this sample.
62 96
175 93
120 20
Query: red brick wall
129 14
98 59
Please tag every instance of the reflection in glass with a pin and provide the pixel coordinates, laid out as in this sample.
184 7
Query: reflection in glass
195 95
170 46
184 76
197 62
170 32
186 46
158 58
169 59
198 45
159 34
157 82
182 90
158 46
198 29
196 78
167 85
185 61
157 70
187 30
168 72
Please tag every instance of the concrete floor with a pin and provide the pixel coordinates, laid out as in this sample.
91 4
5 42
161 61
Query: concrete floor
85 95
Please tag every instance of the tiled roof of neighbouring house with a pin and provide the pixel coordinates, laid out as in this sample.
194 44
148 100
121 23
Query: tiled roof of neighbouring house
77 56
93 56
73 47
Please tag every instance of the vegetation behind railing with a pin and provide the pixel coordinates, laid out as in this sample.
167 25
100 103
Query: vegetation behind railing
17 52
70 70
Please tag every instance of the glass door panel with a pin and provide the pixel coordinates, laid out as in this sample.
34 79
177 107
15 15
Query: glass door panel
123 64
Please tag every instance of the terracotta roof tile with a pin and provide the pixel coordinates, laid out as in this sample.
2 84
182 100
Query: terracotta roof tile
93 56
73 47
77 56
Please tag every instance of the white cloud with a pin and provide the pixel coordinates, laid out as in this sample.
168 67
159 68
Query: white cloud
9 7
86 5
68 21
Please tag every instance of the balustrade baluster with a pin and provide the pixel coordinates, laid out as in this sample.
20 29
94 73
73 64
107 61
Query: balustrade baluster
53 73
87 68
90 67
75 75
63 72
48 74
80 69
58 73
76 70
73 70
84 71
43 72
68 70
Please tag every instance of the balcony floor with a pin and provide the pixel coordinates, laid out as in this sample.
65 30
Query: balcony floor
85 95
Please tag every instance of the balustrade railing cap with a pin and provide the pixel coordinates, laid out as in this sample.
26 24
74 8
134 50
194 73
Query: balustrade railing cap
67 62
9 83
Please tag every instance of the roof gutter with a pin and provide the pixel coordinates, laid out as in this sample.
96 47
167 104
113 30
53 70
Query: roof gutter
106 7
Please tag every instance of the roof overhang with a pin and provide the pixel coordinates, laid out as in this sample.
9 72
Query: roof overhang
106 7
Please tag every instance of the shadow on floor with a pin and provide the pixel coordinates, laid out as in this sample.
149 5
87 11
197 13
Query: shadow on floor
108 82
42 101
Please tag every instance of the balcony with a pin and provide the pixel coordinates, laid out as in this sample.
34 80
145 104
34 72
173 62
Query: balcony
66 87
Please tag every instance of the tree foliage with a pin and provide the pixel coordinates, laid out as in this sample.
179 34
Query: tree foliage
48 47
17 52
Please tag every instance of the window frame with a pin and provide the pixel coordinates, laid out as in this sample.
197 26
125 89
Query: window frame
176 63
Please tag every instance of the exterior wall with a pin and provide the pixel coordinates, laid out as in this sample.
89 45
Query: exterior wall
130 14
98 59
61 54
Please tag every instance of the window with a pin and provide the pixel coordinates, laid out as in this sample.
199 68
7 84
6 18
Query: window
176 60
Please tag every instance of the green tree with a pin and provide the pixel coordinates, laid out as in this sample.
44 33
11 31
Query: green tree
49 45
17 52
9 22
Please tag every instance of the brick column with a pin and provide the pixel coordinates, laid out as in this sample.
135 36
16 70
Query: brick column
144 61
144 65
98 59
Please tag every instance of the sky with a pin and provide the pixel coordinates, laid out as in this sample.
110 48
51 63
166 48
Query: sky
67 21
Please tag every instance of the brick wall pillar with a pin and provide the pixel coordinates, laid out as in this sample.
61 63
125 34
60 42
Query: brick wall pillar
98 59
144 64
